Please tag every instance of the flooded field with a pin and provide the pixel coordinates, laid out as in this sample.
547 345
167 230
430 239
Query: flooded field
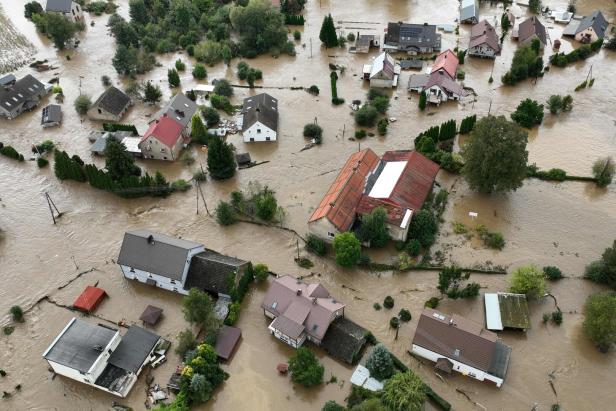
564 224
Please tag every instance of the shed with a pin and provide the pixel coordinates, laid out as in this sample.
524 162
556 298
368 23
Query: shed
361 378
414 64
89 299
506 310
151 315
51 116
227 340
344 340
243 159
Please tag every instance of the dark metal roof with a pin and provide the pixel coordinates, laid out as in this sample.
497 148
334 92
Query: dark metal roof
500 360
24 92
63 6
51 114
180 108
113 101
344 340
210 271
597 21
155 253
7 80
262 108
411 64
134 348
80 345
412 36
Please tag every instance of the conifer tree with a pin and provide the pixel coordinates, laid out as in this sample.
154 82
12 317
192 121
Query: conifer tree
328 32
220 159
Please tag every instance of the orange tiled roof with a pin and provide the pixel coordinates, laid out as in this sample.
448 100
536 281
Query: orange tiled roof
447 61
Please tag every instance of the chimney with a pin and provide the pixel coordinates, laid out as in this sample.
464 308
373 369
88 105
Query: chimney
299 292
314 301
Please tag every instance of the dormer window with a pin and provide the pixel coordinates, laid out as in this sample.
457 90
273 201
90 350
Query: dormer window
275 304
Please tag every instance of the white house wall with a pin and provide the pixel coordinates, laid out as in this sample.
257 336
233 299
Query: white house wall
482 50
381 83
101 362
253 134
463 369
590 32
323 228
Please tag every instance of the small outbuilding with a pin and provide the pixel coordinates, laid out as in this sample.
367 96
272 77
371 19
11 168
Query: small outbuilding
89 299
383 72
151 315
110 106
344 340
469 11
51 116
506 310
227 340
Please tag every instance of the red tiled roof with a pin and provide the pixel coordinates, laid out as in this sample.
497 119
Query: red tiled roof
341 200
165 129
89 299
446 61
483 32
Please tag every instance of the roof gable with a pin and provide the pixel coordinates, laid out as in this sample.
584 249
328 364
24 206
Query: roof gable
113 101
484 33
261 108
446 61
530 27
597 21
180 108
383 63
165 129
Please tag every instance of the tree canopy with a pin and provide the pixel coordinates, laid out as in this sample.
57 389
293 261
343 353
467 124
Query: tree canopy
526 63
305 368
603 170
604 270
260 27
600 319
198 308
450 281
347 249
118 162
374 229
528 113
404 392
57 27
495 155
528 280
379 363
423 228
328 35
220 159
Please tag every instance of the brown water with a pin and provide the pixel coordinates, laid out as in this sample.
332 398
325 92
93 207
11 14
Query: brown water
544 223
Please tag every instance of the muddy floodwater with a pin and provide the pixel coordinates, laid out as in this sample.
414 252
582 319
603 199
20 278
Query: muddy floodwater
564 224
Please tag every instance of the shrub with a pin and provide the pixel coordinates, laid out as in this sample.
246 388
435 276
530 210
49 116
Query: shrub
373 228
221 103
381 104
332 406
422 100
225 215
314 90
382 126
359 134
186 342
405 315
180 185
266 205
42 162
347 249
316 245
82 104
223 88
545 318
211 116
600 319
413 247
491 239
526 63
394 322
199 71
557 317
234 313
528 280
528 113
106 80
305 368
366 116
8 329
200 176
379 363
261 272
603 170
10 152
403 392
179 65
17 314
423 228
432 303
297 35
376 306
552 273
313 131
388 302
173 77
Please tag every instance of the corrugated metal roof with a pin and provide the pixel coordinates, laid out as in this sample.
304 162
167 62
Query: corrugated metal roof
493 316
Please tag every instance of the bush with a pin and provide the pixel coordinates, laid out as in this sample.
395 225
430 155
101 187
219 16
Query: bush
603 170
373 228
526 63
313 131
599 319
179 65
604 271
211 116
381 104
366 116
266 205
552 273
316 245
528 280
332 406
405 315
234 313
186 342
423 98
221 103
180 185
297 35
82 104
491 239
347 249
557 317
376 306
528 113
404 391
413 247
199 71
382 125
423 228
432 303
388 302
223 88
10 152
314 90
17 314
173 77
305 368
394 322
225 215
261 272
359 134
379 363
42 162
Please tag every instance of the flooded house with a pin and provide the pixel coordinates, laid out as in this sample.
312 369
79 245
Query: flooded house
469 11
383 72
364 43
180 109
484 41
111 105
531 29
163 140
176 264
589 29
300 311
260 118
51 116
68 8
438 86
21 96
455 343
99 356
399 181
446 62
412 38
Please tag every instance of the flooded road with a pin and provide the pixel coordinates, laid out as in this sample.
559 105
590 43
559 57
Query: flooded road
564 224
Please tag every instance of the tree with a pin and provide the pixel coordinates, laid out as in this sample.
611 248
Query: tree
381 104
423 228
528 113
555 103
261 29
211 116
305 368
220 159
534 6
125 60
138 11
526 63
223 88
552 273
261 272
198 309
225 214
332 405
528 280
600 319
173 77
151 93
313 131
31 8
450 281
186 342
611 43
347 249
17 314
505 23
379 363
404 392
199 72
327 35
603 170
82 104
265 204
495 155
198 132
374 229
604 271
366 116
57 27
422 100
119 163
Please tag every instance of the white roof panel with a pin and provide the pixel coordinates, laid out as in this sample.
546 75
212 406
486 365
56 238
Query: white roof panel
386 182
493 314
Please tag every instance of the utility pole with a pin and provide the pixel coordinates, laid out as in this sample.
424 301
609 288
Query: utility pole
201 191
343 130
52 206
489 108
310 47
589 75
80 77
297 245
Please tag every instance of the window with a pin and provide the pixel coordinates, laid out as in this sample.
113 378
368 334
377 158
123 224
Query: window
73 12
331 235
252 139
132 270
258 131
100 111
275 304
267 139
456 353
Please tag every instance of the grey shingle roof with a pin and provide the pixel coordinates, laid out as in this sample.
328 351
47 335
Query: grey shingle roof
263 108
468 10
113 101
407 36
597 21
51 114
62 6
134 348
80 345
24 92
164 255
180 108
210 271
